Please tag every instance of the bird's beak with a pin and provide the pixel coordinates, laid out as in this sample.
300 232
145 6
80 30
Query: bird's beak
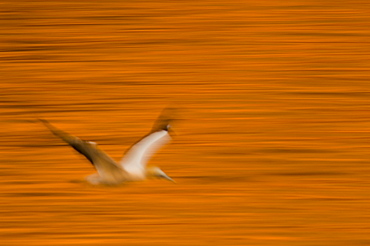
169 179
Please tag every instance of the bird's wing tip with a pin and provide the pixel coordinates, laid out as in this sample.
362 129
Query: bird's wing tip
42 120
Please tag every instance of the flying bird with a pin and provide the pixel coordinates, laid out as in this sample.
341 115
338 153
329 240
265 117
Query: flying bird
133 166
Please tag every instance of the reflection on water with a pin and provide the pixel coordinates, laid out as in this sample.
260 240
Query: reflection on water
272 148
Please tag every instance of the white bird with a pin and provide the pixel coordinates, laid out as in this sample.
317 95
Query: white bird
133 166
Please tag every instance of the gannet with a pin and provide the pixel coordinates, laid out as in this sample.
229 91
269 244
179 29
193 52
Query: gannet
133 166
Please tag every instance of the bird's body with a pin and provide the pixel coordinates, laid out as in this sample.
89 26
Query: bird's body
132 166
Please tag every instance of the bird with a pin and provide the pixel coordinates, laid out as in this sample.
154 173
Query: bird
133 165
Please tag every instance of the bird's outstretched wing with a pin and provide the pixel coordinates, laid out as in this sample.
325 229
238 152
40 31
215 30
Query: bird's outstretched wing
138 154
104 164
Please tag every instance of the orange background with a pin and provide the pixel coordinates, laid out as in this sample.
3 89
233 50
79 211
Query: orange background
272 145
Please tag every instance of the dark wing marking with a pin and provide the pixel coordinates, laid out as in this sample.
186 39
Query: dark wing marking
164 121
102 162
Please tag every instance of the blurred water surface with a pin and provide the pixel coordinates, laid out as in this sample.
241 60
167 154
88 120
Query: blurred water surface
272 145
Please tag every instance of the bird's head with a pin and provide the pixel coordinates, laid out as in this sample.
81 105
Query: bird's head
156 172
